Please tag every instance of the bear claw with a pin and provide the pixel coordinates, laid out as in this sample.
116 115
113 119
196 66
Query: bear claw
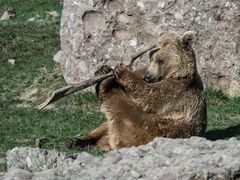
103 70
120 71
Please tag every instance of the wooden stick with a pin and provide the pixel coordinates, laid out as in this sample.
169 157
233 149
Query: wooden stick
64 91
140 53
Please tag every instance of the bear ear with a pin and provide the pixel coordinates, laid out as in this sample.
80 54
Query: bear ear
187 39
153 51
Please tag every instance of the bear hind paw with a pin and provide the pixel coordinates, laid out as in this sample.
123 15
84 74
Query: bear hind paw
80 143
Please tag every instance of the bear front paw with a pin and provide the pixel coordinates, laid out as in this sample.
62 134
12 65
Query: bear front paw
121 71
103 70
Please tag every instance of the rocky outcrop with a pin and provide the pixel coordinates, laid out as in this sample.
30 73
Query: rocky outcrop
96 32
194 158
35 159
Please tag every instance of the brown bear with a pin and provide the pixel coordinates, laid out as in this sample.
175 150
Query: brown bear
164 100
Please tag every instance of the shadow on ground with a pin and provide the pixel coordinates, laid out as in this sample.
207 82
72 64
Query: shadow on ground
223 133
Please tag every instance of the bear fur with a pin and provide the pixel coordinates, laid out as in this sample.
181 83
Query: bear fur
164 100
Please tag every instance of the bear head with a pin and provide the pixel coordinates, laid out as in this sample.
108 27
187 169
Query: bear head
172 58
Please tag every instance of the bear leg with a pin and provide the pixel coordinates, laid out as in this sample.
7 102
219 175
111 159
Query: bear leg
89 140
103 143
125 120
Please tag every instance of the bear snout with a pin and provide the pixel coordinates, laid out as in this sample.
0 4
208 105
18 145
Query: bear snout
148 78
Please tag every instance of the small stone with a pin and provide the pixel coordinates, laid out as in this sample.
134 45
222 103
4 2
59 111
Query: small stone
234 89
39 142
83 66
140 4
218 15
133 42
194 8
227 4
161 4
57 57
233 139
11 61
37 17
8 14
31 19
53 13
178 16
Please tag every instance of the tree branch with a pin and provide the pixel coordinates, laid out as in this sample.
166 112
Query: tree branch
64 91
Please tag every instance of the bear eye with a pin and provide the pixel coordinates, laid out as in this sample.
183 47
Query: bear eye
160 61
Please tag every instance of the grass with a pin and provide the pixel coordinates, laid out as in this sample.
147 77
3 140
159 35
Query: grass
34 74
223 116
33 45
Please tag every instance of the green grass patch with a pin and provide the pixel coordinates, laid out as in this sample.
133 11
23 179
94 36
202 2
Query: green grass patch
31 9
223 116
32 45
22 126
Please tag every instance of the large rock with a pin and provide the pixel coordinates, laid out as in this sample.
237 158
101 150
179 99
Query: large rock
96 32
194 158
35 159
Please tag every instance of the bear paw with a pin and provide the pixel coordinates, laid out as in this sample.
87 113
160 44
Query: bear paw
103 70
121 71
